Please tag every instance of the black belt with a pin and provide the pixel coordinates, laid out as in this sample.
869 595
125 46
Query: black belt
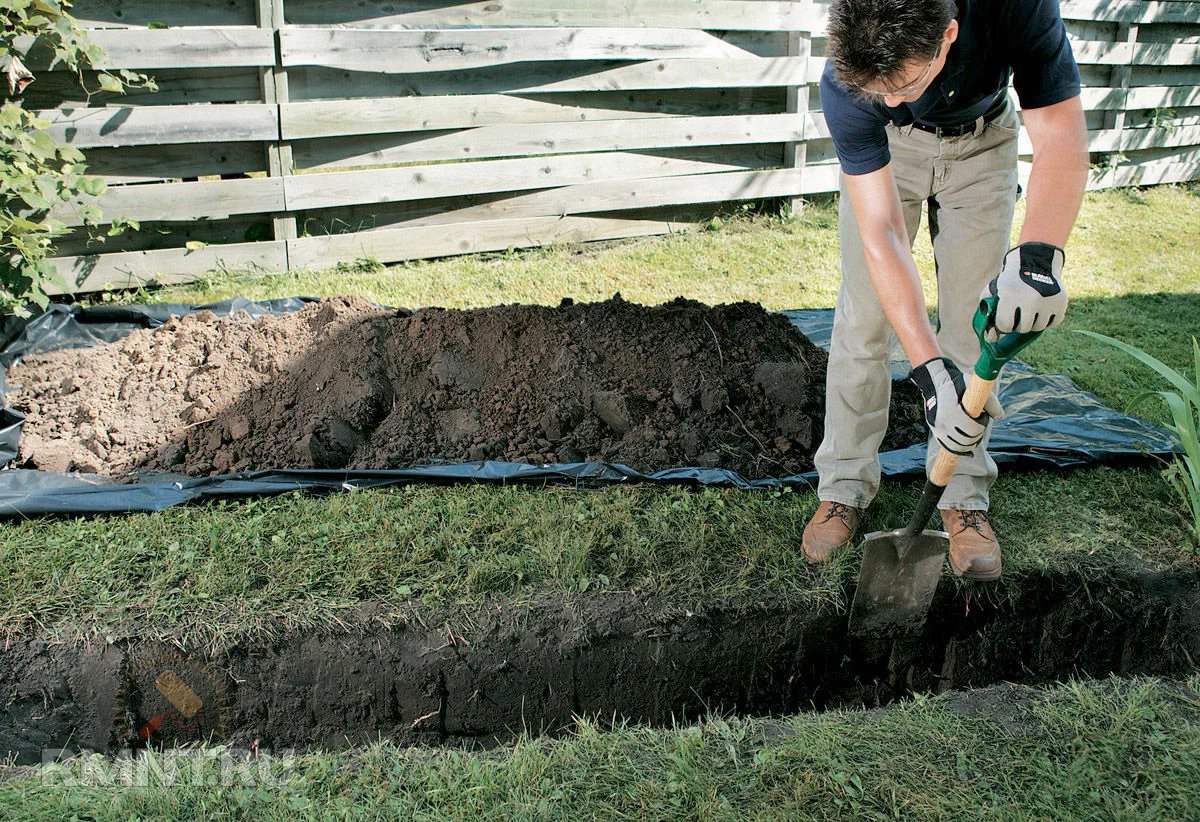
969 127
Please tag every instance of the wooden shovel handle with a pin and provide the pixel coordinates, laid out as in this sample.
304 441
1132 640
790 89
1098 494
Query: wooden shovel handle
973 401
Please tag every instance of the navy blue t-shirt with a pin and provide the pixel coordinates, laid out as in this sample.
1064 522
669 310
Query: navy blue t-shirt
994 37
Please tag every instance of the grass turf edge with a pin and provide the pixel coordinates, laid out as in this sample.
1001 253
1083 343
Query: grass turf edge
1113 748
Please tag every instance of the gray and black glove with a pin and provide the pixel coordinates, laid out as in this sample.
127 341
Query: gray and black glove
1029 291
942 387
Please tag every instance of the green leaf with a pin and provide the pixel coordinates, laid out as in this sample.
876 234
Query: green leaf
110 83
194 245
92 185
1180 382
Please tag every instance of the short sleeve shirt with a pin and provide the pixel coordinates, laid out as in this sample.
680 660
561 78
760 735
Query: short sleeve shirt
1024 39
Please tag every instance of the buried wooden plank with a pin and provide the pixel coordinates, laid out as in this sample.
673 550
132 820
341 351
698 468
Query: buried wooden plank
180 201
740 15
402 51
132 269
548 139
162 125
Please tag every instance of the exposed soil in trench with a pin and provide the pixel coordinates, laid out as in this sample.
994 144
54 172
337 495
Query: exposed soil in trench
477 676
343 384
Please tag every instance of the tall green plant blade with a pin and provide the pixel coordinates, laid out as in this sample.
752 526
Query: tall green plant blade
1181 383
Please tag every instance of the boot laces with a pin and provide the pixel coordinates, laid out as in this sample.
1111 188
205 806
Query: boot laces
972 519
839 510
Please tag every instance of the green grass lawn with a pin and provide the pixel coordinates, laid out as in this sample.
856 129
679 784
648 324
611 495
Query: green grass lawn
214 573
1121 750
225 570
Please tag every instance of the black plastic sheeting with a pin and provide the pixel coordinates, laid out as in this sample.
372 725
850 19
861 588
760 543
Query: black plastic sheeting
1050 423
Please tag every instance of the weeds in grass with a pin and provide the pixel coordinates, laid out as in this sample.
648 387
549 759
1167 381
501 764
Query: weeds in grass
1184 407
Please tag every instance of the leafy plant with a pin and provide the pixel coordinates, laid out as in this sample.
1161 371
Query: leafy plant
1184 406
37 171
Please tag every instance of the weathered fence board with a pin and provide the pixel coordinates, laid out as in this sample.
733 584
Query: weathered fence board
181 201
566 138
411 50
440 128
162 125
342 118
763 15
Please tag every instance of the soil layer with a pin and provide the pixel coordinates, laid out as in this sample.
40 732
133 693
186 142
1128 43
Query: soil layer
478 676
343 384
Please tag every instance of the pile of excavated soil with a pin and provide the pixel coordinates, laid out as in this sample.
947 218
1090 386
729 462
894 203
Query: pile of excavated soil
343 384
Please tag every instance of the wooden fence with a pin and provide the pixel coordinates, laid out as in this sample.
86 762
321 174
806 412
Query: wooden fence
292 134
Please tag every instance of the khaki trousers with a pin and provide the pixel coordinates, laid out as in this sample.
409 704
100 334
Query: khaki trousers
970 185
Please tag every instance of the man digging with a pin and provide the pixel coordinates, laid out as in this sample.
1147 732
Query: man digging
915 97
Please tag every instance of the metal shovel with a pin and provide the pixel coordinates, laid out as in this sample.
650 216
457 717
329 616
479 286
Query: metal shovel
900 569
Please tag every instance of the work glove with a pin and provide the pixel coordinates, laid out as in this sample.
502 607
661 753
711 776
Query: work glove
1029 291
942 387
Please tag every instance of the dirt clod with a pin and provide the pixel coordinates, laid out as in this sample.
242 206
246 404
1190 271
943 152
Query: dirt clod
343 384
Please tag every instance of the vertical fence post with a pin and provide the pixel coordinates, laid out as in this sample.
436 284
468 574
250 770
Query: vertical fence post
1121 77
275 91
795 154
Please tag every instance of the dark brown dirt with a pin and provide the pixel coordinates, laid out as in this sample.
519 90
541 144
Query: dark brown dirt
342 384
481 673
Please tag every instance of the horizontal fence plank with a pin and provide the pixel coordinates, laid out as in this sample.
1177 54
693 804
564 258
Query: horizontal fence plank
139 13
1145 175
1132 11
405 51
132 269
146 164
386 185
557 138
55 89
1141 97
333 118
615 195
1119 54
207 199
162 125
309 82
731 15
171 48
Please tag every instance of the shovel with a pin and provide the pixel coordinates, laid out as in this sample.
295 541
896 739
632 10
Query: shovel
900 569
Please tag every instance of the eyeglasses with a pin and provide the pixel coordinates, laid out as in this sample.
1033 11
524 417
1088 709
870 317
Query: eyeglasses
908 89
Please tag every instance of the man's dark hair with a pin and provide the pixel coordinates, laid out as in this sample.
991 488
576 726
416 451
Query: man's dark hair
873 39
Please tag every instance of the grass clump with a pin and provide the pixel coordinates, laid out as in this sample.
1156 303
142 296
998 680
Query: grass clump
1183 405
238 568
1113 749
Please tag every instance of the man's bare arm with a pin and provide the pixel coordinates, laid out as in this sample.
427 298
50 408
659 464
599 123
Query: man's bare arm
890 262
1060 170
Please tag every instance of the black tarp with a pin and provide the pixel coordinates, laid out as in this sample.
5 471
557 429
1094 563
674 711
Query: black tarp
1050 423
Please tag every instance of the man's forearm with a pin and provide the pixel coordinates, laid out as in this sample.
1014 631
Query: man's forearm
897 284
1060 171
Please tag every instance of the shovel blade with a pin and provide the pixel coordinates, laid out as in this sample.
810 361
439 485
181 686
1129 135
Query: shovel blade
896 583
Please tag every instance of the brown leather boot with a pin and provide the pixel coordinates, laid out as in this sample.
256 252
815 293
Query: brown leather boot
974 551
830 528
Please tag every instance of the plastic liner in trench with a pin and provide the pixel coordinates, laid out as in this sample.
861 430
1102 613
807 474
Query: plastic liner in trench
482 674
1051 423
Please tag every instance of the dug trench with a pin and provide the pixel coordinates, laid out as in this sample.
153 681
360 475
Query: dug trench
478 676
